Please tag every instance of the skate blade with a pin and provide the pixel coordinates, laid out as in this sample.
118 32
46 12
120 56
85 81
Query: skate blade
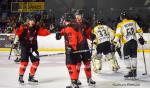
68 86
33 83
72 87
17 62
131 78
91 85
97 72
22 83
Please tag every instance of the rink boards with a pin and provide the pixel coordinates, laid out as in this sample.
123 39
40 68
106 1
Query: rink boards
49 43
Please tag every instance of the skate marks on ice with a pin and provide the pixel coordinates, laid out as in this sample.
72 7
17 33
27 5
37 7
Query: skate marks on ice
52 73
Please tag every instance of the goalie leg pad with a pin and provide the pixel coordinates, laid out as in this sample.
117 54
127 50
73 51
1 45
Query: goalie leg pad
116 62
97 63
112 62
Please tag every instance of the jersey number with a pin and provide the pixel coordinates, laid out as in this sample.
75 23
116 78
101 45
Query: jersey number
102 33
130 31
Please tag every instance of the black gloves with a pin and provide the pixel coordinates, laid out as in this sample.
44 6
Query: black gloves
93 36
58 36
141 40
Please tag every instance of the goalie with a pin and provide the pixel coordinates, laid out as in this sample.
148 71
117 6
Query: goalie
104 35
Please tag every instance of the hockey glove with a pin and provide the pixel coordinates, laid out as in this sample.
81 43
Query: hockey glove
93 36
35 54
141 40
58 36
15 46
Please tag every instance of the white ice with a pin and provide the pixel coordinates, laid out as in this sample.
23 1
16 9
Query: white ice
52 73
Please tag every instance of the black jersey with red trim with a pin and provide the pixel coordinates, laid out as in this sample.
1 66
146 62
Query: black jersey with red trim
28 35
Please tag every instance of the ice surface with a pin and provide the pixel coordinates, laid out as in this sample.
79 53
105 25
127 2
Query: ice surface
52 73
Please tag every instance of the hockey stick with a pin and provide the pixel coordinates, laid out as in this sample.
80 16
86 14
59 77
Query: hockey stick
51 54
81 51
144 62
94 18
92 43
11 47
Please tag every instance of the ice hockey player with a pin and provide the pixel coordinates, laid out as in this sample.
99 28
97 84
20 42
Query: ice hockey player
72 41
27 36
17 52
16 49
85 28
104 36
127 30
70 34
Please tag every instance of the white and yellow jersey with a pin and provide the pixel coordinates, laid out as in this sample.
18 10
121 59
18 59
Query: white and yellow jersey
126 30
103 33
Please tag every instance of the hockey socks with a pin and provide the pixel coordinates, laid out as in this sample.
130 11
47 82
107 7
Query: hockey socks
78 72
22 68
87 68
72 71
33 68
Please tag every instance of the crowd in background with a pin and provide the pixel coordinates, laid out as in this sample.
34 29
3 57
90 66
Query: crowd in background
9 21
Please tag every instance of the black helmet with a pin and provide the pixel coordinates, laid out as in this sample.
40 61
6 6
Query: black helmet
123 15
37 17
100 21
69 17
30 17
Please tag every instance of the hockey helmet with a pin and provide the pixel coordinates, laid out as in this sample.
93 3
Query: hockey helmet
100 22
69 17
123 15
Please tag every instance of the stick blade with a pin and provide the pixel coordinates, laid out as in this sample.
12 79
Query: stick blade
144 74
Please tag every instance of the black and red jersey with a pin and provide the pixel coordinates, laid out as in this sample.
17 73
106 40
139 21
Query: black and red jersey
84 30
70 34
28 35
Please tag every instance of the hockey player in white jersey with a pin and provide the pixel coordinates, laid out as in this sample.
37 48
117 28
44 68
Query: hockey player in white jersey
104 35
126 30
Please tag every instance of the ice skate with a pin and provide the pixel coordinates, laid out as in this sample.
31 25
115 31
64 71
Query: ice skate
96 70
79 82
73 84
17 60
115 69
131 75
91 82
31 80
21 81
